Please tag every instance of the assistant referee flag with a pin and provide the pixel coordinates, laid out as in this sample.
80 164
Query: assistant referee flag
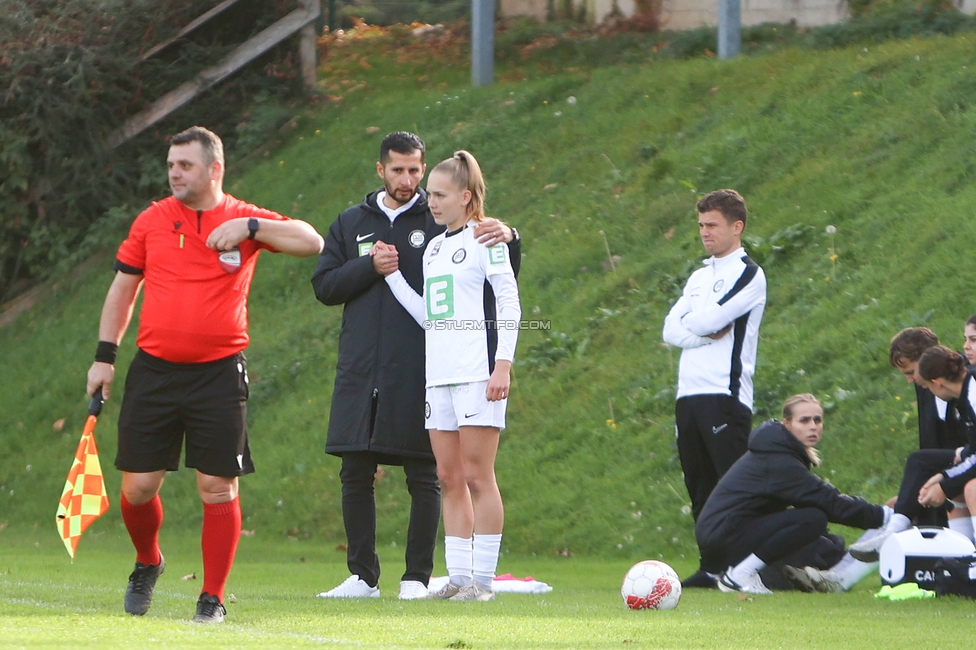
84 498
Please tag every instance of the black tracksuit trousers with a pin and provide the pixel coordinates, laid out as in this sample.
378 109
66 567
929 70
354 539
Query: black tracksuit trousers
919 468
771 538
359 514
713 432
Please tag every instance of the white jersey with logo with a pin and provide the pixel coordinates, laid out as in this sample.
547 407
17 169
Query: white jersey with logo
728 291
452 309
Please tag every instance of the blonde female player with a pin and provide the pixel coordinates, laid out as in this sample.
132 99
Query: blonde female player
469 359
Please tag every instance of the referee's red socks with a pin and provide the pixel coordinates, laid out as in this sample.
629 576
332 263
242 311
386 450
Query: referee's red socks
221 531
143 523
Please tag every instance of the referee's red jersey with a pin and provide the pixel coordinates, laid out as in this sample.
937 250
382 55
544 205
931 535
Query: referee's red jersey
194 307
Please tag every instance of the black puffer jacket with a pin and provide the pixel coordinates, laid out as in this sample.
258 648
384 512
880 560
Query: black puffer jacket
771 477
381 347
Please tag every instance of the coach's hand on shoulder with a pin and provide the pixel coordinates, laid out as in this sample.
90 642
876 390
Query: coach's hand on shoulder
386 259
492 231
100 374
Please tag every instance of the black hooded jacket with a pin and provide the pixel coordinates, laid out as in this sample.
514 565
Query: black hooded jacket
771 477
378 400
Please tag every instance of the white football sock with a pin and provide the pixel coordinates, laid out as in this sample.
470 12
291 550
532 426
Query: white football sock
741 571
486 549
458 555
963 526
869 534
898 523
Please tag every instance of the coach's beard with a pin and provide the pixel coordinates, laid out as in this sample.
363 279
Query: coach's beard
400 195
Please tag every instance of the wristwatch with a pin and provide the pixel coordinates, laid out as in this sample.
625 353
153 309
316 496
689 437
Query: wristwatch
252 227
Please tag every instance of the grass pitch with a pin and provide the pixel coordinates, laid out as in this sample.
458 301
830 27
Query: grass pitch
46 600
872 141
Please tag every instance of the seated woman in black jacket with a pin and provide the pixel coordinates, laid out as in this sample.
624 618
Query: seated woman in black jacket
769 504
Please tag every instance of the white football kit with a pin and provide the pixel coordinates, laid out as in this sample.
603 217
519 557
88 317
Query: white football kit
460 328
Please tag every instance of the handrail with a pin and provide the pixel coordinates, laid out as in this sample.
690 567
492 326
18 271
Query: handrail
200 20
244 54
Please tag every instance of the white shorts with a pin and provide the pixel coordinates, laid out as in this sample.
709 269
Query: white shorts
466 405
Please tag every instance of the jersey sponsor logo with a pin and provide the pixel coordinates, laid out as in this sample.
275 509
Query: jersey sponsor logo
365 247
417 238
718 286
468 416
360 238
720 428
439 296
230 261
427 410
177 225
496 254
459 256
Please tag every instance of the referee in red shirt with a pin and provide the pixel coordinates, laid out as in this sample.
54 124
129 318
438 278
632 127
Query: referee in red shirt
195 254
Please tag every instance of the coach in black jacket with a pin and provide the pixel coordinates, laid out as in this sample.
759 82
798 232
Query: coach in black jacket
769 504
377 414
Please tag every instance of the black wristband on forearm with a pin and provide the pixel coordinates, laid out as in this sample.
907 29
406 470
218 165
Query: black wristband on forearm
106 351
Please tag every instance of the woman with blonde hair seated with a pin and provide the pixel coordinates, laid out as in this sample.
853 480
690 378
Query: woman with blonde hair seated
769 504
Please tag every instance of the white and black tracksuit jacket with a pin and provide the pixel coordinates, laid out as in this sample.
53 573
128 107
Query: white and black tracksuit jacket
728 290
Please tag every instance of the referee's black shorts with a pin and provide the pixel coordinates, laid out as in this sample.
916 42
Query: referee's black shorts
205 401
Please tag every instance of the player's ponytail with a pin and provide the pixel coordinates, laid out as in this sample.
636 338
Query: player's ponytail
939 362
464 170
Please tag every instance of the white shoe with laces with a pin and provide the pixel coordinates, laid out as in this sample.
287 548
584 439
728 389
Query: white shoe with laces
811 580
473 591
868 550
444 593
412 590
753 584
824 580
352 587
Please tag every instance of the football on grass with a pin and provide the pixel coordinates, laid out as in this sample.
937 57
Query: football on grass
651 585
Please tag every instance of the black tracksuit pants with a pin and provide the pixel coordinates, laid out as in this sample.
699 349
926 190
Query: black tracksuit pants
713 432
359 514
919 468
771 538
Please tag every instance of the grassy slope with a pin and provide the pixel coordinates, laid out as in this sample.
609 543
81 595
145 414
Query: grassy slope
876 143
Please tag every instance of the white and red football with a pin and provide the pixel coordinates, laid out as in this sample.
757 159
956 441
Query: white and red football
651 585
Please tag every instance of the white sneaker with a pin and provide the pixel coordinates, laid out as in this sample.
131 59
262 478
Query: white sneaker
412 590
353 587
474 591
824 580
444 593
867 550
751 585
800 579
810 580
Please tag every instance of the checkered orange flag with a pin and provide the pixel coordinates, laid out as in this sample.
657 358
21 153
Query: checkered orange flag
84 498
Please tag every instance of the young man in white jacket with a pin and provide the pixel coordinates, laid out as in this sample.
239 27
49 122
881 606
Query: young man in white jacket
716 325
